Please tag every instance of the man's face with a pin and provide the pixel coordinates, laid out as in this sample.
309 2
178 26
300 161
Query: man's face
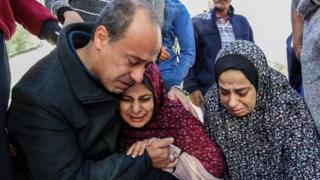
221 5
121 63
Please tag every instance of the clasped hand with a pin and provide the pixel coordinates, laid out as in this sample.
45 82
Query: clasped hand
158 150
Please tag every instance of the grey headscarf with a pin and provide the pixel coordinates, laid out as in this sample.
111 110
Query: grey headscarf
278 139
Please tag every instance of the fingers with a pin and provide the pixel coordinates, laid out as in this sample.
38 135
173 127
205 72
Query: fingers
161 143
164 55
137 149
174 163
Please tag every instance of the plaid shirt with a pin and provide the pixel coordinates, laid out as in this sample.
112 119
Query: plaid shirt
226 31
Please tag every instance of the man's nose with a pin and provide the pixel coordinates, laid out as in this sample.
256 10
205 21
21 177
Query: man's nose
137 74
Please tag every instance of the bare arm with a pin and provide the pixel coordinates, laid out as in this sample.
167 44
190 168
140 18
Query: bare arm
297 31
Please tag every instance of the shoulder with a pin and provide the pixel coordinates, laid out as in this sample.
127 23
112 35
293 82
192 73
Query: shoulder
202 17
43 78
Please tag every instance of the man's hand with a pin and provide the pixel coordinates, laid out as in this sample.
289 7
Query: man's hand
176 94
159 151
297 46
196 98
138 148
71 17
164 54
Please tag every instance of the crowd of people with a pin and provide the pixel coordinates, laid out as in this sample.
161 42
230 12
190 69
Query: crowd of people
114 99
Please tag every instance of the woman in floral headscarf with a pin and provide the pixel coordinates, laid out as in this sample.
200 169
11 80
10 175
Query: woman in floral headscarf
148 113
261 124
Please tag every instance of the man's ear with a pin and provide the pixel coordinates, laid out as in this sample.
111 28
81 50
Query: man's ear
101 37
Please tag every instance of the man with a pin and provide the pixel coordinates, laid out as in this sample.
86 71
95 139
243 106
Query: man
64 112
177 27
37 20
73 11
310 52
213 31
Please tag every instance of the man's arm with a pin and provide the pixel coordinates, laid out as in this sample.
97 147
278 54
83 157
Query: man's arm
62 9
184 32
36 19
297 31
51 145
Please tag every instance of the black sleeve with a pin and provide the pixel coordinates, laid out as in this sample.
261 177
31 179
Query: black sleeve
51 148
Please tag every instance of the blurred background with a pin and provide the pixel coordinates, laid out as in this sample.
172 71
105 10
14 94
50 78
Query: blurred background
270 21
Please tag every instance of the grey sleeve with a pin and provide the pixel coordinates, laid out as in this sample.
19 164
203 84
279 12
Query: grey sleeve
305 7
55 5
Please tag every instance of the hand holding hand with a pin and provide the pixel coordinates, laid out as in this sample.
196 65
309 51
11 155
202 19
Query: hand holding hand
71 17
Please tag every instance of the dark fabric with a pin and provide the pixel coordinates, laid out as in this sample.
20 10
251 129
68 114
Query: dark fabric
171 119
278 139
208 44
50 31
294 67
67 126
30 14
5 165
239 63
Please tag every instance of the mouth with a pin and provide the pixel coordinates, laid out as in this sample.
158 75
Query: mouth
137 118
236 112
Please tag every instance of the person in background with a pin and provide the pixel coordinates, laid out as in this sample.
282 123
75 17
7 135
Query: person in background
174 63
310 52
261 124
71 11
37 20
212 31
64 111
149 113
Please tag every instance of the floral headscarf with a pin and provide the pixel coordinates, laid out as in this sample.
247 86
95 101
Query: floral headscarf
278 139
172 120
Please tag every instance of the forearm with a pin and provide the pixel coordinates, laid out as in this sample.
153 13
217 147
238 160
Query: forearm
297 26
55 5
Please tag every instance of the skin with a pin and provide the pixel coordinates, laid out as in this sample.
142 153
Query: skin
137 105
297 31
120 64
236 92
222 7
71 17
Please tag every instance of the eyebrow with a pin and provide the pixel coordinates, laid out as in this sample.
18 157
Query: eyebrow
238 89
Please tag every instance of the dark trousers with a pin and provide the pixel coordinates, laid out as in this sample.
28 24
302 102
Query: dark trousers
294 68
5 164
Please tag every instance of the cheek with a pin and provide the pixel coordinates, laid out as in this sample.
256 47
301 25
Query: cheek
124 108
149 107
224 100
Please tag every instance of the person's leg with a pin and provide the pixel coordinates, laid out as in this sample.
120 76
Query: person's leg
5 165
294 67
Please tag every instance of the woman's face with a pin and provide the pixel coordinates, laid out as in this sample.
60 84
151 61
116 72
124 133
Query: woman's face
236 92
137 105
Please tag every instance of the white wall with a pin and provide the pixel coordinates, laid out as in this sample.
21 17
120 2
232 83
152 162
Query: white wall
270 21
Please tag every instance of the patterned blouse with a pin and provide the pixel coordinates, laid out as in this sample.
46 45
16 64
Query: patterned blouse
171 119
278 140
